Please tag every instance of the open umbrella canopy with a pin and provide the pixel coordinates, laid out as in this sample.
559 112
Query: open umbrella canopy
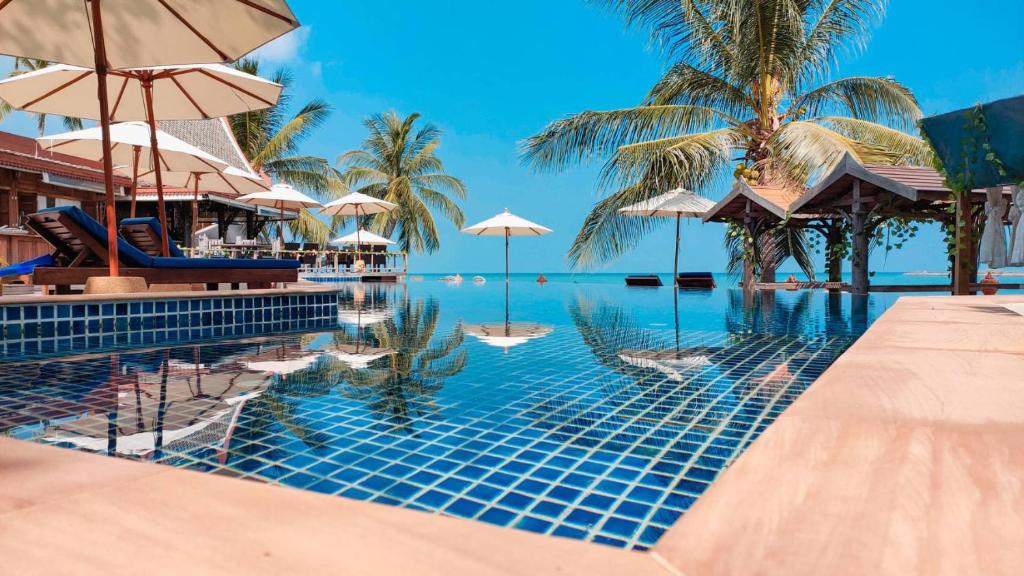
141 32
506 224
1002 130
678 202
127 137
362 237
230 182
179 92
358 357
281 197
357 204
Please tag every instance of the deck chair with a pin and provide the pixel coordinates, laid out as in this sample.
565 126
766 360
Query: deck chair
144 234
80 252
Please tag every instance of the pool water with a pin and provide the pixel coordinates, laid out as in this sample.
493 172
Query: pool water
598 412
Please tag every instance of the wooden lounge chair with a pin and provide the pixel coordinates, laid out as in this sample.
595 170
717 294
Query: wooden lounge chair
700 280
144 234
80 245
643 280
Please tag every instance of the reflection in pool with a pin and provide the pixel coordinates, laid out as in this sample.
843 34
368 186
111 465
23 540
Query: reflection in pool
594 412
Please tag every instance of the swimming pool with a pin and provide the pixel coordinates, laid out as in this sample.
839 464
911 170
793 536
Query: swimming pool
589 415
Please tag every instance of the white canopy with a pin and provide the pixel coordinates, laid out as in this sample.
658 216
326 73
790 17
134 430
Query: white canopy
356 204
179 93
281 197
230 182
356 357
363 318
678 202
504 224
362 237
282 366
175 155
141 32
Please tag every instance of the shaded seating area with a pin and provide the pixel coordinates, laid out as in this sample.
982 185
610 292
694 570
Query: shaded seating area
81 253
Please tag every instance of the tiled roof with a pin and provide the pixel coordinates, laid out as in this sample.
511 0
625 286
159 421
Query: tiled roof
921 178
765 199
22 153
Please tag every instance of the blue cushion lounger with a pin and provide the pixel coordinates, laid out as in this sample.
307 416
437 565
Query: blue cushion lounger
81 245
144 234
26 267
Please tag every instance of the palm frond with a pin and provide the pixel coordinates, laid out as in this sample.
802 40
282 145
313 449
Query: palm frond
288 137
864 98
690 161
908 149
687 85
802 150
589 135
607 234
837 24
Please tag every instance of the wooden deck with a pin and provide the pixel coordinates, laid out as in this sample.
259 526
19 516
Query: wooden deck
906 457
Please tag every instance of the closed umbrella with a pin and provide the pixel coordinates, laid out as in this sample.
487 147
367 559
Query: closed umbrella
281 197
128 141
993 240
149 94
115 34
357 204
1016 256
676 204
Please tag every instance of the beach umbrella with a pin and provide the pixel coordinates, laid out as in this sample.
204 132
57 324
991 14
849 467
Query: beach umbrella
356 356
281 197
128 142
357 204
506 224
116 34
360 319
228 182
678 203
149 94
362 237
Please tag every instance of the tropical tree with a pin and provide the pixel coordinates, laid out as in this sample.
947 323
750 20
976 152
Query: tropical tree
398 163
22 66
748 93
271 139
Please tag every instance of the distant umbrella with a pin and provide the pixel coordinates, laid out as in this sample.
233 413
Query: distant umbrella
506 224
676 204
357 204
281 197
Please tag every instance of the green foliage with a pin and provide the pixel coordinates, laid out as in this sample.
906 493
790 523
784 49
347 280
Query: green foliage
398 163
749 86
271 141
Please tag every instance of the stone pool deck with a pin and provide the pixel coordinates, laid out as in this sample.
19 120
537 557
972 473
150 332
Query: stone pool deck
905 457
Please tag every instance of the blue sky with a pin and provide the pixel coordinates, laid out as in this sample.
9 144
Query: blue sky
490 74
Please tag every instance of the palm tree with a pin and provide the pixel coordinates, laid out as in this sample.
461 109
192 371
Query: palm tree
748 91
270 140
398 163
22 66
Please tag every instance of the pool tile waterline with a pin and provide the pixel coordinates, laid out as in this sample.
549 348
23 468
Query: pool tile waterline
542 438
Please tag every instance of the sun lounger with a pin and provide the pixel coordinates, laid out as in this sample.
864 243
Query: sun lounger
144 234
803 286
702 280
26 267
80 245
643 280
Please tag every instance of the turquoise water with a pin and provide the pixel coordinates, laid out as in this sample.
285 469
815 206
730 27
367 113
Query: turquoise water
598 412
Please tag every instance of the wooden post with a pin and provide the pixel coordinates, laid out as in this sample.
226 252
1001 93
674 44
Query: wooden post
861 244
748 266
100 53
834 263
136 152
962 270
12 204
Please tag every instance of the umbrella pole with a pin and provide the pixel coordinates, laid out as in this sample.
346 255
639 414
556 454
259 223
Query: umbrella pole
506 281
137 150
280 226
147 88
358 237
195 208
100 53
675 259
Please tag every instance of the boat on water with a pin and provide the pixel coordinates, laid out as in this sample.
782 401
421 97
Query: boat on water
479 280
452 279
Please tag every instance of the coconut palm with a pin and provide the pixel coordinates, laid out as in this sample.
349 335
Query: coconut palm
748 92
21 66
398 163
270 140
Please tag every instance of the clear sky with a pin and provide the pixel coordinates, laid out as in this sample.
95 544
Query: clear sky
490 74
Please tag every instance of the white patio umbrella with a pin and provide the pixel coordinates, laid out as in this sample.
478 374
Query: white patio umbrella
228 182
128 141
676 204
282 197
282 367
149 94
361 319
506 224
362 237
356 356
118 34
357 204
